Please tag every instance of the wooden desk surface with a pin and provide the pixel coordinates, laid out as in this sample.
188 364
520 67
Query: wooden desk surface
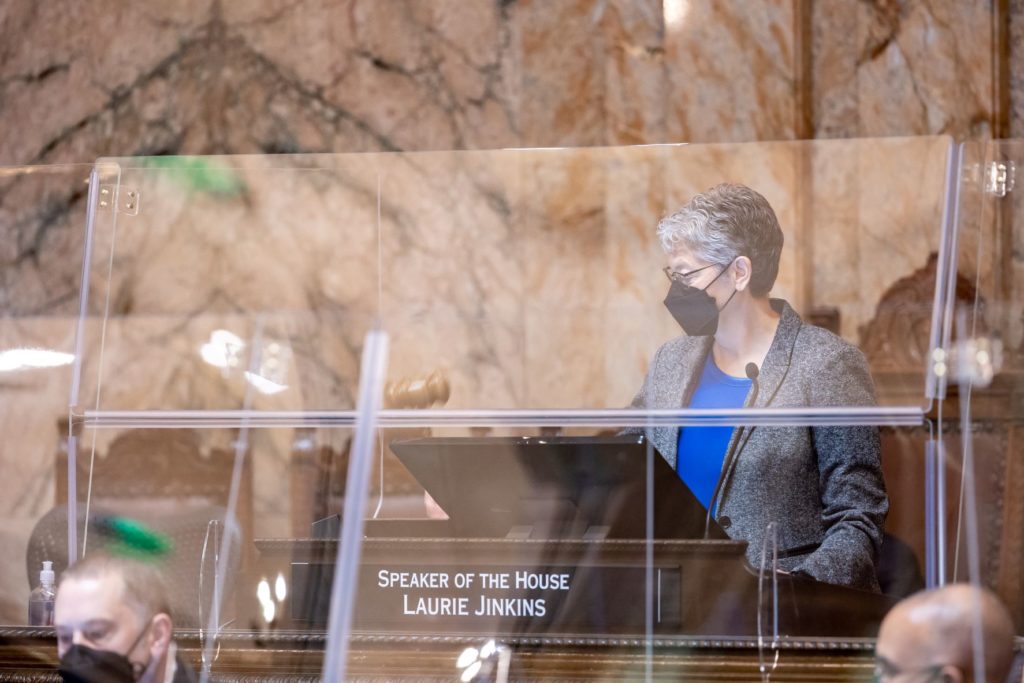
29 655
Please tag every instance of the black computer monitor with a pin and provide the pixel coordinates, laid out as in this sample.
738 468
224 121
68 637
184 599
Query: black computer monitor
555 487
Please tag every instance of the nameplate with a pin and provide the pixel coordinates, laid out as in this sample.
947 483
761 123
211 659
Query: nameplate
505 598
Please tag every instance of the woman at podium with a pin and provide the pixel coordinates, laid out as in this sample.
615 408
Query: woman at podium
821 485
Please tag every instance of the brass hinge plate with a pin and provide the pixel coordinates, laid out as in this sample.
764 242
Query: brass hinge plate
125 198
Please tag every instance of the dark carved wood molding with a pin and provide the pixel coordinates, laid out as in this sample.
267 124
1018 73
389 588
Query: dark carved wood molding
896 343
898 337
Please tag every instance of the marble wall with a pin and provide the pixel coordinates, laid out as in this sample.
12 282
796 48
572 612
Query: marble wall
526 276
498 266
352 75
902 68
1015 59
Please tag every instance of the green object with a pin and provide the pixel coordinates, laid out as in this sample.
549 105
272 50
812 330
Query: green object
133 538
200 175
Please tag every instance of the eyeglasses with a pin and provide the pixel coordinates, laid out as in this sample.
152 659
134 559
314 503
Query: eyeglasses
681 278
887 671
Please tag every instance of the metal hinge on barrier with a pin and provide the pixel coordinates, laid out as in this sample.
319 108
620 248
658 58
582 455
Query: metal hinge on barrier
999 178
127 201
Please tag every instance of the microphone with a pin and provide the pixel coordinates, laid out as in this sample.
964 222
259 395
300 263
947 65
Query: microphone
752 371
752 374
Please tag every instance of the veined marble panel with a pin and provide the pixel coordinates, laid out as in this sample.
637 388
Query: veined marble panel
43 217
731 72
350 75
562 93
519 273
564 248
66 67
452 271
916 68
1016 64
635 73
32 401
892 190
421 75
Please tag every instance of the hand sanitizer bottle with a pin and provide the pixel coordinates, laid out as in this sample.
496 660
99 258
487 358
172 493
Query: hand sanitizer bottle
40 600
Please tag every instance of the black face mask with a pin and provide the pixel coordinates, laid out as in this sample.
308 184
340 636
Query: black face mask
81 664
694 309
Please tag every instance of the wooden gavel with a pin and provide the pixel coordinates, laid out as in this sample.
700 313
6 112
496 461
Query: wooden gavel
417 392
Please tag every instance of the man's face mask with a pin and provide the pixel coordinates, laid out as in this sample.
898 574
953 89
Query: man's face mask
83 664
693 308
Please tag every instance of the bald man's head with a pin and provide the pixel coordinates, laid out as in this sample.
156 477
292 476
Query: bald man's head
934 631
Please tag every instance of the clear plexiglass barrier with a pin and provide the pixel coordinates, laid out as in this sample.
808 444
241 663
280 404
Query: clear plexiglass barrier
436 414
986 403
44 218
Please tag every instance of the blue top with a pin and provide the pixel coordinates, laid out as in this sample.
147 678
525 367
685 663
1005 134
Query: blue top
701 450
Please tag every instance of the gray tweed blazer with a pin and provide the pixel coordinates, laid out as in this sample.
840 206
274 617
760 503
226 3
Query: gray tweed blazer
823 486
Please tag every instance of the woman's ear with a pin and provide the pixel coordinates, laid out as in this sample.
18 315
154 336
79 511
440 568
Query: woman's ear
742 270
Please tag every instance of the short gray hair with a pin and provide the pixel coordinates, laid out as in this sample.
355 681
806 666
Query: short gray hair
144 588
724 223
